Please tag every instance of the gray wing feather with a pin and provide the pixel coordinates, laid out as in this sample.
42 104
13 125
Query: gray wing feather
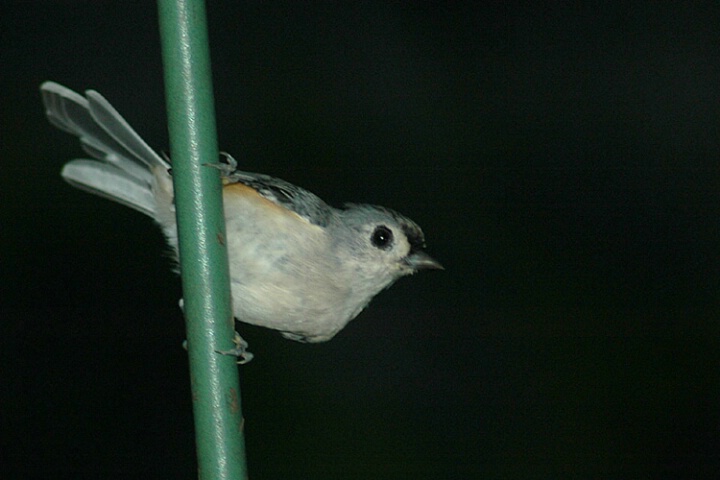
304 203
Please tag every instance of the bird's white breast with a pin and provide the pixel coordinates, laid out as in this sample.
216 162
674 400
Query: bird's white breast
283 270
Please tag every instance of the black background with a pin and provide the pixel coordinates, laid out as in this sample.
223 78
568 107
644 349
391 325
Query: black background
562 159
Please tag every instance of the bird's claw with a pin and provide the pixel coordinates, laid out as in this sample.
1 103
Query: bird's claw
228 167
240 350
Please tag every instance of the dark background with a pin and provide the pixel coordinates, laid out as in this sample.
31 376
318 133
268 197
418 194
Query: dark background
562 159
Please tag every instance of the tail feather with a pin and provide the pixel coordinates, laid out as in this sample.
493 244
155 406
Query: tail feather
115 125
110 182
127 167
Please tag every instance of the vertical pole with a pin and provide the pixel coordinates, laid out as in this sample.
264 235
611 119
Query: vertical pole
201 233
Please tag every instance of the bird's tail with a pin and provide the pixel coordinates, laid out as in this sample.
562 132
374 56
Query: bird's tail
128 170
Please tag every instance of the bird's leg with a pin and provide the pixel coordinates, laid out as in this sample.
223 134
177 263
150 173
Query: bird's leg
228 167
240 350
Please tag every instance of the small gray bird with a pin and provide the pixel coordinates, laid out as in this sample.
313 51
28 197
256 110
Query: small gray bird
297 265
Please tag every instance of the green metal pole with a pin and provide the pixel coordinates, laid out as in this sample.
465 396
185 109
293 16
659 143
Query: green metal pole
201 233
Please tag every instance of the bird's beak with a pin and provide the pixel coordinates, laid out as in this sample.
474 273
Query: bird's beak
420 260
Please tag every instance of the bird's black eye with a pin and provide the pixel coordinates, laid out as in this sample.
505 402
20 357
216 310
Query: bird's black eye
382 237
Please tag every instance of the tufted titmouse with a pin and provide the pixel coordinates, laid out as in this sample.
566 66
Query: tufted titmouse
297 265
